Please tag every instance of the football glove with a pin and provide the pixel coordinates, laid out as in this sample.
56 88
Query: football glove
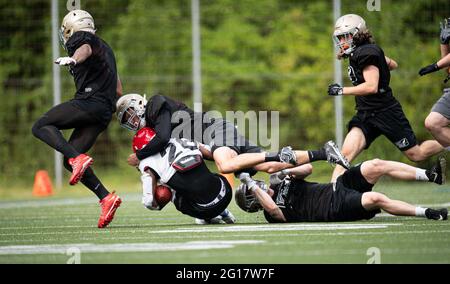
447 79
278 177
66 61
428 69
445 31
247 180
335 90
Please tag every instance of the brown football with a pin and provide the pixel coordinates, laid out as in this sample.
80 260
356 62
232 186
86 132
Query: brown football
163 195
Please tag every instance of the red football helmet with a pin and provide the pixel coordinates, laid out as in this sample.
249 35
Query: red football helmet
142 138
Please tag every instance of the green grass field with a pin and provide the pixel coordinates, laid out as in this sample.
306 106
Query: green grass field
54 230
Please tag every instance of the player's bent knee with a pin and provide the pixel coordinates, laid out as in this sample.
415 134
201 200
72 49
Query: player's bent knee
373 200
36 128
432 124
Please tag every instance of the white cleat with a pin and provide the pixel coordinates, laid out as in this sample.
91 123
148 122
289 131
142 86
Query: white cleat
215 220
228 217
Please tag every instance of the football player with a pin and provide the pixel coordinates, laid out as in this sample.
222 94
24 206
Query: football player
92 64
439 118
378 112
197 192
230 151
350 198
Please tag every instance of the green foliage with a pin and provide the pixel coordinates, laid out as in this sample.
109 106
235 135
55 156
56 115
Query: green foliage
256 55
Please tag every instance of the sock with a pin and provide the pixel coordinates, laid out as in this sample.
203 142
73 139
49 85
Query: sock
318 155
272 157
421 175
101 191
420 212
447 148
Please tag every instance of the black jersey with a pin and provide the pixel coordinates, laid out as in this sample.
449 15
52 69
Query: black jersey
96 77
363 56
174 119
302 201
158 102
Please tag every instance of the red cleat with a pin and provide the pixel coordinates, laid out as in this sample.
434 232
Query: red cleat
79 165
109 206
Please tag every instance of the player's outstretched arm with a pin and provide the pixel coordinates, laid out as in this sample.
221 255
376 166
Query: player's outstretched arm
442 63
371 75
301 172
268 204
263 197
80 55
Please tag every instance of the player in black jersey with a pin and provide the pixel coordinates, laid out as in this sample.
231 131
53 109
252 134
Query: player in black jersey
230 151
438 120
350 198
93 66
378 112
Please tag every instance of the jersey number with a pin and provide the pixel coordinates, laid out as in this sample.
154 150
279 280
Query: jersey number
352 75
171 149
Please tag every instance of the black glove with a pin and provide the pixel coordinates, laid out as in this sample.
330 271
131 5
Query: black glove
429 69
445 31
447 79
335 90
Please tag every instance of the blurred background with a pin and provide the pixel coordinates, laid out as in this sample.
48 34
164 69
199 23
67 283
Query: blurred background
255 55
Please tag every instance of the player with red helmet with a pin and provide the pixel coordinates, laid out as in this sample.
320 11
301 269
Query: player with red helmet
197 192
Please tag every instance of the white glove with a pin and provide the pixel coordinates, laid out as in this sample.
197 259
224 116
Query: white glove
65 61
247 180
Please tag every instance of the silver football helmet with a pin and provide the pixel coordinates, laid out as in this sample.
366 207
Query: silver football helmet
131 111
345 29
246 200
74 21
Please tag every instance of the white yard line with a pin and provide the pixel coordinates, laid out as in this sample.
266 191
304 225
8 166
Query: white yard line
391 234
114 248
277 227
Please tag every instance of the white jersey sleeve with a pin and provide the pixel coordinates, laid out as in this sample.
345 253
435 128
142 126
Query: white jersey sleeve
161 163
147 191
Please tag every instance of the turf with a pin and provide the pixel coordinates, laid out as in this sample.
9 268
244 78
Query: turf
169 237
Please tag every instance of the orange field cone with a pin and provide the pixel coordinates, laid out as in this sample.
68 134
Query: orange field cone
230 179
42 184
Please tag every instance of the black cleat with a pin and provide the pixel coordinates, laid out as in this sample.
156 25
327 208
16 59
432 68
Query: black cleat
437 173
334 156
436 214
287 155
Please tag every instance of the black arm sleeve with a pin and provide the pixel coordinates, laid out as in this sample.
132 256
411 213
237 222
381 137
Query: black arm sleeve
163 131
